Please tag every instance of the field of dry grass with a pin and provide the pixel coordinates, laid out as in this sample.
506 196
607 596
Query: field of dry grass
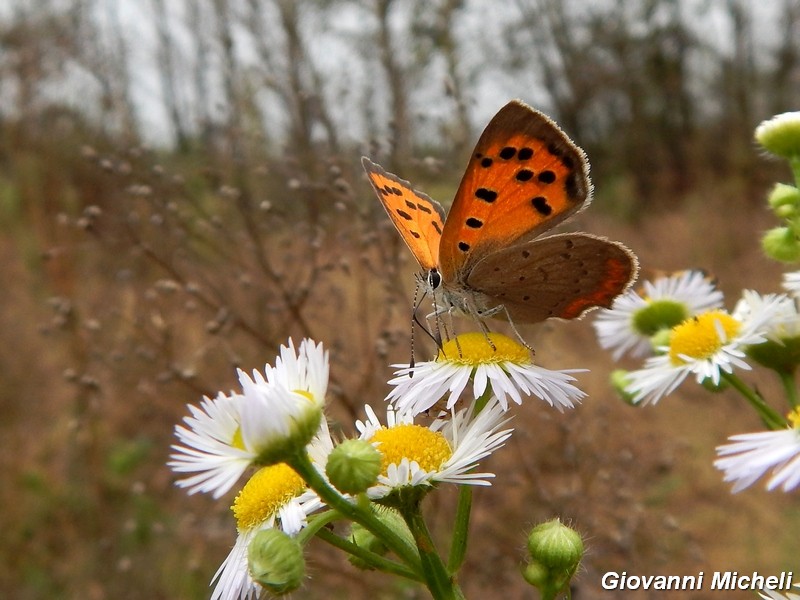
94 381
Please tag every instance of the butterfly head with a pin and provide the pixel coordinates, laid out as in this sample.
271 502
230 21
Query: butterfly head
433 279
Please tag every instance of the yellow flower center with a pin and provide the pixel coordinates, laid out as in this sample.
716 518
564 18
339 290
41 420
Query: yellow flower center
267 491
794 418
414 442
476 348
702 336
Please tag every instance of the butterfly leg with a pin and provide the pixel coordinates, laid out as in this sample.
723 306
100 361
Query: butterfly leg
480 315
485 328
516 331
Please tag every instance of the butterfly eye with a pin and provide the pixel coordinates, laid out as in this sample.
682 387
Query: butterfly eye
434 279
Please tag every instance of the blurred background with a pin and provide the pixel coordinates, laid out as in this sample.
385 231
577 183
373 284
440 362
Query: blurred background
181 190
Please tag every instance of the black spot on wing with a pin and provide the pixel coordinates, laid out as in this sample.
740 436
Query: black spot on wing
524 175
546 176
507 153
541 205
486 195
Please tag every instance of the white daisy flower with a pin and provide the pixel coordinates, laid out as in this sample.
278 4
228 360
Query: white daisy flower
637 315
211 446
277 413
785 322
446 451
781 350
750 456
274 496
487 360
705 345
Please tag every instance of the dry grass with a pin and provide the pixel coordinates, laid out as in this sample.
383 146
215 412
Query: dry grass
90 511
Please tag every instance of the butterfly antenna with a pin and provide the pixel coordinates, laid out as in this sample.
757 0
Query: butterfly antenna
415 321
437 323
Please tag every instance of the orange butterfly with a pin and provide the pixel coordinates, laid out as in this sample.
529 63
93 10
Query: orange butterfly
486 258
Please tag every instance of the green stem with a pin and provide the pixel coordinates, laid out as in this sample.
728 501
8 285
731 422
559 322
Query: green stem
481 402
315 524
302 465
458 545
439 582
789 386
769 417
374 560
794 164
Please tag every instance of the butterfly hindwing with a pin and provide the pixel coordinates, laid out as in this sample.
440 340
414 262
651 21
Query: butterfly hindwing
524 177
560 276
418 218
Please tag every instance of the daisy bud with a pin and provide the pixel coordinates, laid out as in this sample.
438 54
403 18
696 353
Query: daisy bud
619 381
353 466
556 546
276 561
784 200
555 551
536 574
780 135
781 244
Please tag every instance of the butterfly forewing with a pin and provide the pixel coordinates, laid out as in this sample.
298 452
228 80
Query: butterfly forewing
560 276
418 218
524 177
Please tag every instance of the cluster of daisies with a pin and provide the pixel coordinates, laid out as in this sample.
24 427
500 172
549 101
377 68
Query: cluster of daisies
279 415
679 326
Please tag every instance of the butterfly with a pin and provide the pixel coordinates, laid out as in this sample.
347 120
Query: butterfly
486 258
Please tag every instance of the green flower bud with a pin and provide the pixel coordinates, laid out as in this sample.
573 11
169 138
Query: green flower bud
780 135
786 211
365 539
556 546
781 244
619 381
536 574
784 199
555 553
353 466
276 561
